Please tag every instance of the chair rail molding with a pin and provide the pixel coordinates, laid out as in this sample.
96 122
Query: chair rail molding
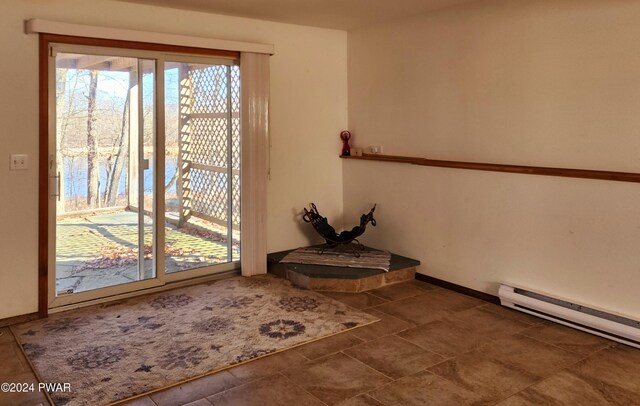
521 169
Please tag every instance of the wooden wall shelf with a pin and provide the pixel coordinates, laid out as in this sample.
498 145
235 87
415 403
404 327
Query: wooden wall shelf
527 170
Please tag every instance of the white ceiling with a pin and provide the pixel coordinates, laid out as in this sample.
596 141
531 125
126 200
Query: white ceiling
338 14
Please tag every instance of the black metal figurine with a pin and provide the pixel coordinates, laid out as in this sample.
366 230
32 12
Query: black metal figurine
332 238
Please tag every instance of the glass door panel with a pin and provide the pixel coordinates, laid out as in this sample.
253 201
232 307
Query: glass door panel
103 139
202 165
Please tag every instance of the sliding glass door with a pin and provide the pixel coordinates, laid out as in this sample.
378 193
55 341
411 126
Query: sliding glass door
202 163
144 170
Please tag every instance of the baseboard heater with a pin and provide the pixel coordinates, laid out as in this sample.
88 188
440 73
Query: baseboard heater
613 327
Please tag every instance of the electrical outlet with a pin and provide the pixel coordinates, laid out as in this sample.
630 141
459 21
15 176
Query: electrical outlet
19 162
375 149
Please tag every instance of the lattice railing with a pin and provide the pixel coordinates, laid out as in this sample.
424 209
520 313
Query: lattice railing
235 138
210 143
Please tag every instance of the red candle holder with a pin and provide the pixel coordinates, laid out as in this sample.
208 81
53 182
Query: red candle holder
345 136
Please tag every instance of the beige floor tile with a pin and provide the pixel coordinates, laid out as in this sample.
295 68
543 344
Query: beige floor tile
394 356
143 401
566 388
200 402
6 336
361 400
430 306
267 366
423 285
412 311
336 378
398 291
445 337
504 367
513 314
529 355
492 379
424 388
329 345
618 366
11 360
454 301
194 390
356 300
22 399
23 360
568 338
387 325
482 322
27 398
272 391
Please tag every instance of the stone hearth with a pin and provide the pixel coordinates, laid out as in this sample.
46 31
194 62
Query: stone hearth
342 279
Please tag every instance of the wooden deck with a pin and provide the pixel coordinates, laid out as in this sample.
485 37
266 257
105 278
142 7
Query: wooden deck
100 250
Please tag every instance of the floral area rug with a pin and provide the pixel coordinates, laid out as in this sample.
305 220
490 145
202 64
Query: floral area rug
118 350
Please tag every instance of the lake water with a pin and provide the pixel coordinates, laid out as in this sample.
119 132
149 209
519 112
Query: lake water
75 177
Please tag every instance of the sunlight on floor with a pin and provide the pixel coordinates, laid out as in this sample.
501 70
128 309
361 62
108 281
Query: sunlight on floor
100 250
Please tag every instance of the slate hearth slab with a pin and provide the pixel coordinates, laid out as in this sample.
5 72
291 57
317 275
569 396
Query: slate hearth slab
398 262
342 279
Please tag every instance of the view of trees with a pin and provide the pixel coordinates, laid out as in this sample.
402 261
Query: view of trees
97 101
92 136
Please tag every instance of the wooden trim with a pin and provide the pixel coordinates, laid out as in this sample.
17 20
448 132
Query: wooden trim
43 179
521 169
141 46
39 26
23 318
458 288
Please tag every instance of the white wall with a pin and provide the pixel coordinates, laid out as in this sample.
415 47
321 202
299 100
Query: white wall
308 110
546 83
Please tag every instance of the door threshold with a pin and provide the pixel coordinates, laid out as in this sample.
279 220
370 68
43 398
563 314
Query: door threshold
142 292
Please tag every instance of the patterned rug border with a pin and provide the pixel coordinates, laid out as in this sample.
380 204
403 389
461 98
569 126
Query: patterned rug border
194 378
215 371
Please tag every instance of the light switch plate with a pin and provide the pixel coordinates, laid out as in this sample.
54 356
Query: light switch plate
19 162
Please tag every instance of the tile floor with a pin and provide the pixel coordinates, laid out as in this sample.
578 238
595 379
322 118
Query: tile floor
431 347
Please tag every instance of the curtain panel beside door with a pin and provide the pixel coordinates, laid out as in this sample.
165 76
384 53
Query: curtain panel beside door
254 70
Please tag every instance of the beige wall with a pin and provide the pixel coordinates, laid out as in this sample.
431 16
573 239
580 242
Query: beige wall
541 83
547 83
308 110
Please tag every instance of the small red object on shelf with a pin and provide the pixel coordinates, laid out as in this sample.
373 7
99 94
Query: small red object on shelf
345 136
